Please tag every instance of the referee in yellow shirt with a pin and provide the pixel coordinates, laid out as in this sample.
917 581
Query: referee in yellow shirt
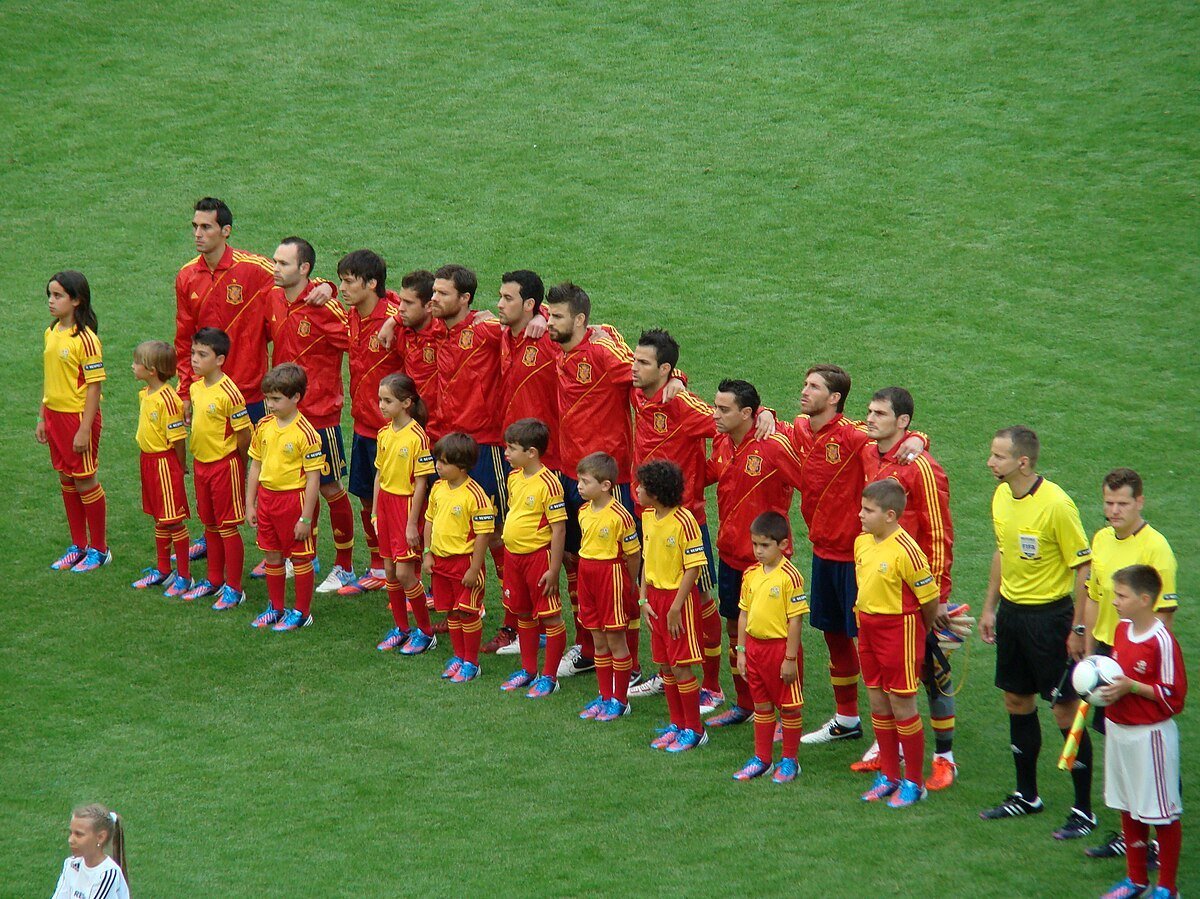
1034 613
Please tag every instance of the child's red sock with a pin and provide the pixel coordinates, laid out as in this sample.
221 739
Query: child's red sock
216 558
622 667
674 703
911 734
711 627
1170 842
604 674
792 721
472 636
889 745
235 556
95 510
764 735
1137 838
556 645
182 542
397 604
587 645
341 522
632 633
162 548
76 519
416 604
454 626
372 541
302 573
276 583
843 673
527 639
689 699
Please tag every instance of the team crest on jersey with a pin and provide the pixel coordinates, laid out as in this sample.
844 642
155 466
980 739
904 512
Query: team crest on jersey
373 343
404 452
466 340
670 541
1139 666
604 532
530 356
154 416
833 453
1029 545
660 422
304 328
775 591
64 354
883 568
212 408
456 510
233 294
289 447
583 374
530 501
754 466
428 355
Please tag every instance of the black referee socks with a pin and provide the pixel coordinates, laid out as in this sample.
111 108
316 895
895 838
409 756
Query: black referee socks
1081 772
1026 735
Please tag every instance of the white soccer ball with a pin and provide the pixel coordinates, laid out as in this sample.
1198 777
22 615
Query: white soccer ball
1091 675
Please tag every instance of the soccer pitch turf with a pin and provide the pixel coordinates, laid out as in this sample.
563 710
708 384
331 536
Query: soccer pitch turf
994 205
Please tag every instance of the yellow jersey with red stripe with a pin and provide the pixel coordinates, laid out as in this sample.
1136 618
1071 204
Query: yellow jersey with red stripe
218 413
160 419
671 545
458 515
70 362
771 599
608 533
893 574
286 452
534 503
1110 554
402 455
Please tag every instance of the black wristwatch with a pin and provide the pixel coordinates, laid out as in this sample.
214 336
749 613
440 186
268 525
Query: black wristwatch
1079 629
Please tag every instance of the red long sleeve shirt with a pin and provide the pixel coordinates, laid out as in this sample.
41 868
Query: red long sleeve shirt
594 381
468 361
315 338
370 363
529 385
674 430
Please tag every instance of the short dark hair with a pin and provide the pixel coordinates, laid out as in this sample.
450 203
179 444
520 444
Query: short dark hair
212 204
1024 440
898 398
464 279
744 393
576 298
365 265
836 378
666 348
600 466
528 433
887 494
457 448
304 251
213 338
419 282
1124 477
662 481
287 379
1144 580
530 283
771 525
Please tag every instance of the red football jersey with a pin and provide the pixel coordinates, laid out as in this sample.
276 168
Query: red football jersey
594 380
315 338
529 385
753 477
676 431
370 363
1152 658
468 361
419 351
231 297
927 512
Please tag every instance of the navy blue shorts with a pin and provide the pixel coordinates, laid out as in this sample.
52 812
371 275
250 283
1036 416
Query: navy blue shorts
729 590
831 596
256 411
575 502
335 455
491 473
362 467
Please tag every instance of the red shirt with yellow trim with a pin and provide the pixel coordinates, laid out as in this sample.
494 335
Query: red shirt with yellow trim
468 361
753 477
286 452
370 363
419 352
674 430
231 297
70 362
595 415
926 514
529 385
893 575
315 338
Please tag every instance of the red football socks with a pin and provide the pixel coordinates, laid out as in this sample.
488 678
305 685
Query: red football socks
397 603
689 699
710 637
674 703
182 542
372 541
556 645
216 559
843 673
1137 838
276 583
235 556
604 675
454 626
95 511
527 639
76 520
472 636
622 668
302 572
162 548
889 745
792 721
911 734
416 604
764 735
341 522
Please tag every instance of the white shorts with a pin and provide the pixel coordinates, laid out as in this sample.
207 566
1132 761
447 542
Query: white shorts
1141 770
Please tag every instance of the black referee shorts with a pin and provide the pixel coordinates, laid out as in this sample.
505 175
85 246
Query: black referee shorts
1031 648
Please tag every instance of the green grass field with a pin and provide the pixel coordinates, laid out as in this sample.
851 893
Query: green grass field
994 205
